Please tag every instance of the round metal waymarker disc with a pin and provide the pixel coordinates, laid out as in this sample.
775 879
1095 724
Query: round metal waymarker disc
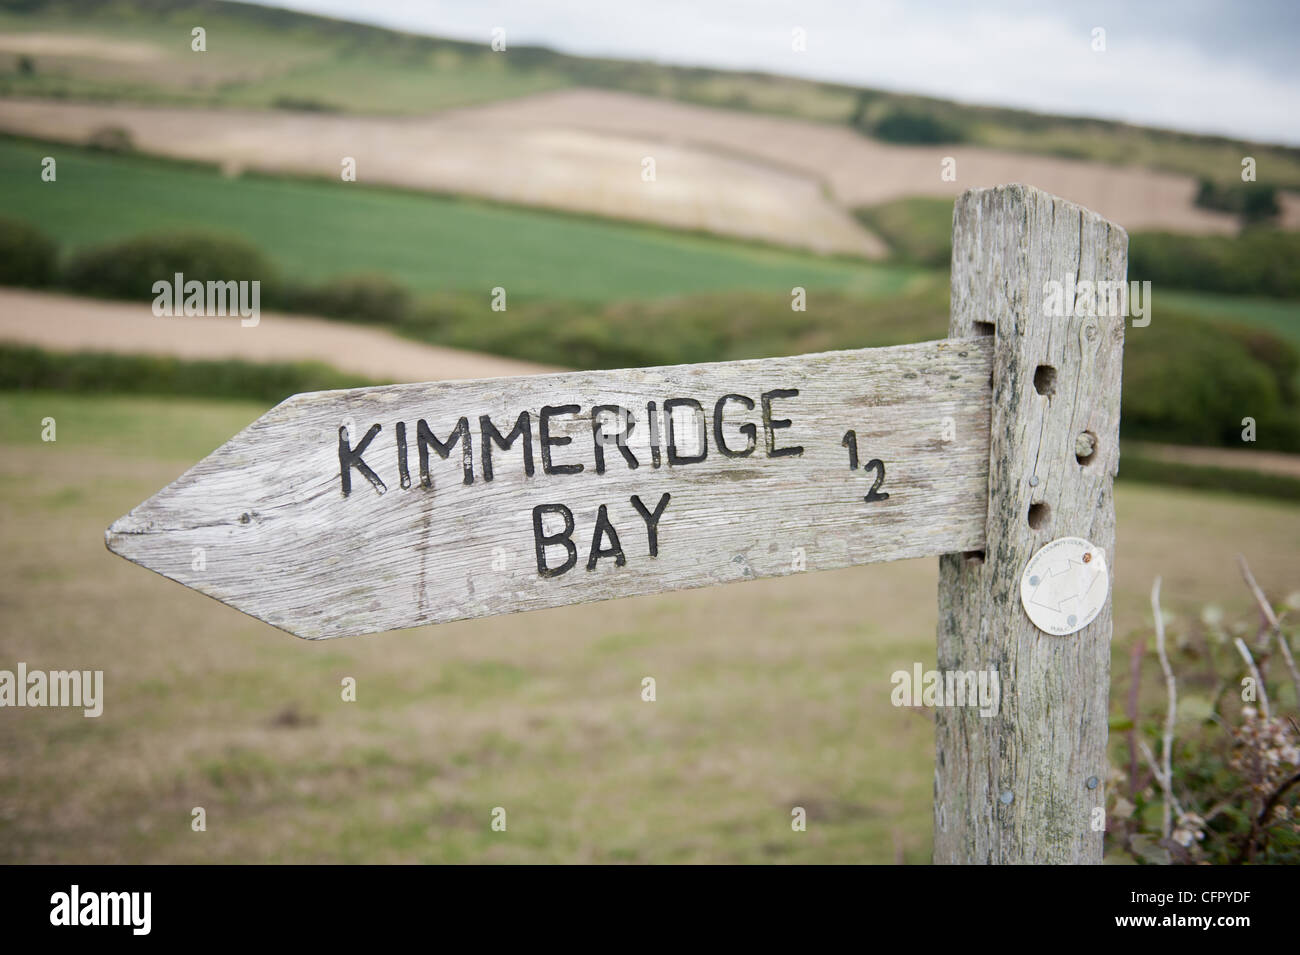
1065 585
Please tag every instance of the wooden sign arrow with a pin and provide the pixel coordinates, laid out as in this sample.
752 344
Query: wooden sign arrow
347 512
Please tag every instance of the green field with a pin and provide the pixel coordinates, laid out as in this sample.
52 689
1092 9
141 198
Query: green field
260 57
1281 316
316 230
917 230
771 694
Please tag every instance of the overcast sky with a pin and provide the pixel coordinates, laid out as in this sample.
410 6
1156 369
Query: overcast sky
1214 66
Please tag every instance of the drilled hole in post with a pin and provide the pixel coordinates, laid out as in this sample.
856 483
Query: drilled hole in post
985 328
1045 380
1039 515
973 556
1085 448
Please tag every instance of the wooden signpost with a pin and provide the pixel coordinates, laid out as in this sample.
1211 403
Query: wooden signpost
350 512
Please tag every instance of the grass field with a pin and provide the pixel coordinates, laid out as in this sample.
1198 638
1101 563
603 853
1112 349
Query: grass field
316 230
771 694
597 293
1277 315
256 57
500 159
917 230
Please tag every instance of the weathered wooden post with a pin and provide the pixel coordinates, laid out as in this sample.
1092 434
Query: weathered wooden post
1022 787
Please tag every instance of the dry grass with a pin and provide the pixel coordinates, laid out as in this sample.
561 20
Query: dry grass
770 694
68 323
1269 462
553 166
863 172
92 47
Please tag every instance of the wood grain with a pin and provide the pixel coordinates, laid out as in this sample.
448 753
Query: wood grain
1014 788
278 538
